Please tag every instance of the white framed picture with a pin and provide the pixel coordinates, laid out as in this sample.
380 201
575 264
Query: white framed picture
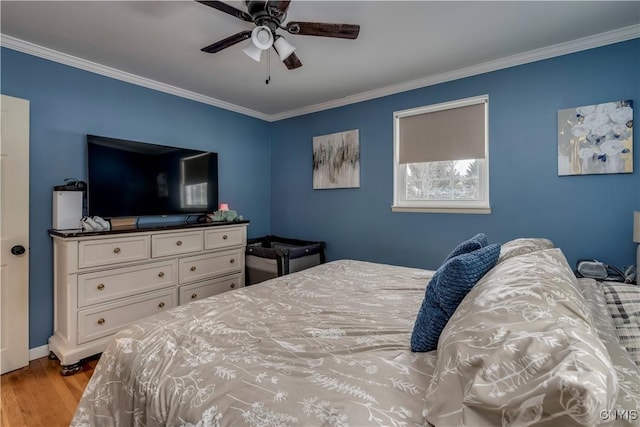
336 160
596 139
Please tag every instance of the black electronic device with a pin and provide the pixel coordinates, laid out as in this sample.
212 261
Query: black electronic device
131 178
71 184
595 269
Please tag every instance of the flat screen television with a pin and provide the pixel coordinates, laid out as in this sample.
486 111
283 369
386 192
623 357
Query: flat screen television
130 178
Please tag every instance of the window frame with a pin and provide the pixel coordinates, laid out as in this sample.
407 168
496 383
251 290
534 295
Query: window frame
480 206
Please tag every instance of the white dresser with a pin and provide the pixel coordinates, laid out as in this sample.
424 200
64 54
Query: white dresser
104 281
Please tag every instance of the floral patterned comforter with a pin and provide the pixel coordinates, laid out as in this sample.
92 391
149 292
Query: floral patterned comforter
324 346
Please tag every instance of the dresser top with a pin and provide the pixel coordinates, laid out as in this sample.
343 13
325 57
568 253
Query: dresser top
72 233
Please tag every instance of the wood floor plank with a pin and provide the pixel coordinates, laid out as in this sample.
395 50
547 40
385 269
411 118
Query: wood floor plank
10 409
24 383
38 395
74 386
69 400
54 412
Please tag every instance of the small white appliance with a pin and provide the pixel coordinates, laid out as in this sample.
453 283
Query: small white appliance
67 210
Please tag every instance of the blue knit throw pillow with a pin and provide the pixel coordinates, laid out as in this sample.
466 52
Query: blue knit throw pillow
446 290
476 242
430 322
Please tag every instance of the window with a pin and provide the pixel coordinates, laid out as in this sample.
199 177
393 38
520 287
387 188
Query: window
441 158
194 172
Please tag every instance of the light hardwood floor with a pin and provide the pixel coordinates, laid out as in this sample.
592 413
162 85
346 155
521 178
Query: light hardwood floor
37 395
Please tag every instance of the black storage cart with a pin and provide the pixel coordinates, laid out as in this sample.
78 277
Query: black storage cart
272 256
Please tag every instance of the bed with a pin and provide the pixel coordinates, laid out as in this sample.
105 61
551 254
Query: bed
330 346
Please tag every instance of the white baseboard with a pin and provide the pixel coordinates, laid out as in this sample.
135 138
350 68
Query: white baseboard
38 352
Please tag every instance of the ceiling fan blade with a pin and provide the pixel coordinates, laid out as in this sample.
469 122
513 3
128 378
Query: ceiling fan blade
277 9
223 7
341 31
225 43
292 62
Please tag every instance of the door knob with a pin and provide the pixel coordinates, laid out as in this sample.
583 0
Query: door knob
18 250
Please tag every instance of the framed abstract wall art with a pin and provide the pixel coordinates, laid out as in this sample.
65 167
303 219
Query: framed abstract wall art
336 160
596 139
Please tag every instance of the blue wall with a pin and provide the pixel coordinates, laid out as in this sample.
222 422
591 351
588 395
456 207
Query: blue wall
68 103
586 216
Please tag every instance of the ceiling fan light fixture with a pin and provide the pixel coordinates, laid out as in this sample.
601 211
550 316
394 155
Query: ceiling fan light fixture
283 47
253 52
262 37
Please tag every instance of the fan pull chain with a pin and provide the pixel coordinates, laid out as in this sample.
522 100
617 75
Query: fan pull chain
268 67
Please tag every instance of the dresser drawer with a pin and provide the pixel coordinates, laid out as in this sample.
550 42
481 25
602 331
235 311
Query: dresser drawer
105 320
175 243
208 288
103 286
224 238
93 253
207 266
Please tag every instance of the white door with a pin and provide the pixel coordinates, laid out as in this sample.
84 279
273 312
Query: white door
14 234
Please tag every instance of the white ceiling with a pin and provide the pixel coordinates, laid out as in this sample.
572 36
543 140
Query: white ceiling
402 44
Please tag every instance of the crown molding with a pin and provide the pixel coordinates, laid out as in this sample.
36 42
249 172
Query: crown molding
585 43
94 67
590 42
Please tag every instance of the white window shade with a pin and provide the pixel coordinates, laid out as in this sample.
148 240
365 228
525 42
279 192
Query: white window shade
453 134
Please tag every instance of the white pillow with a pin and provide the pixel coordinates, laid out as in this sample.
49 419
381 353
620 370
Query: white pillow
522 349
523 246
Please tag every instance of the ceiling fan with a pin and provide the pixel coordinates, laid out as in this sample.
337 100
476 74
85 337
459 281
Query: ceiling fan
268 16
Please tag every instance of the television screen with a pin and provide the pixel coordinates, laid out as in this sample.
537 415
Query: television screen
129 178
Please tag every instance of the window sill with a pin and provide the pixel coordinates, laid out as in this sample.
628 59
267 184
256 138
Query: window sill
483 211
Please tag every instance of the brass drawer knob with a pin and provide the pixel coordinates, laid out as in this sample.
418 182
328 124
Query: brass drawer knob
193 268
232 260
101 321
194 296
161 304
116 250
225 237
179 243
100 286
161 274
233 285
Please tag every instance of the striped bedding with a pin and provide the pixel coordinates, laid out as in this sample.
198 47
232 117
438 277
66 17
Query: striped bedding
623 303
